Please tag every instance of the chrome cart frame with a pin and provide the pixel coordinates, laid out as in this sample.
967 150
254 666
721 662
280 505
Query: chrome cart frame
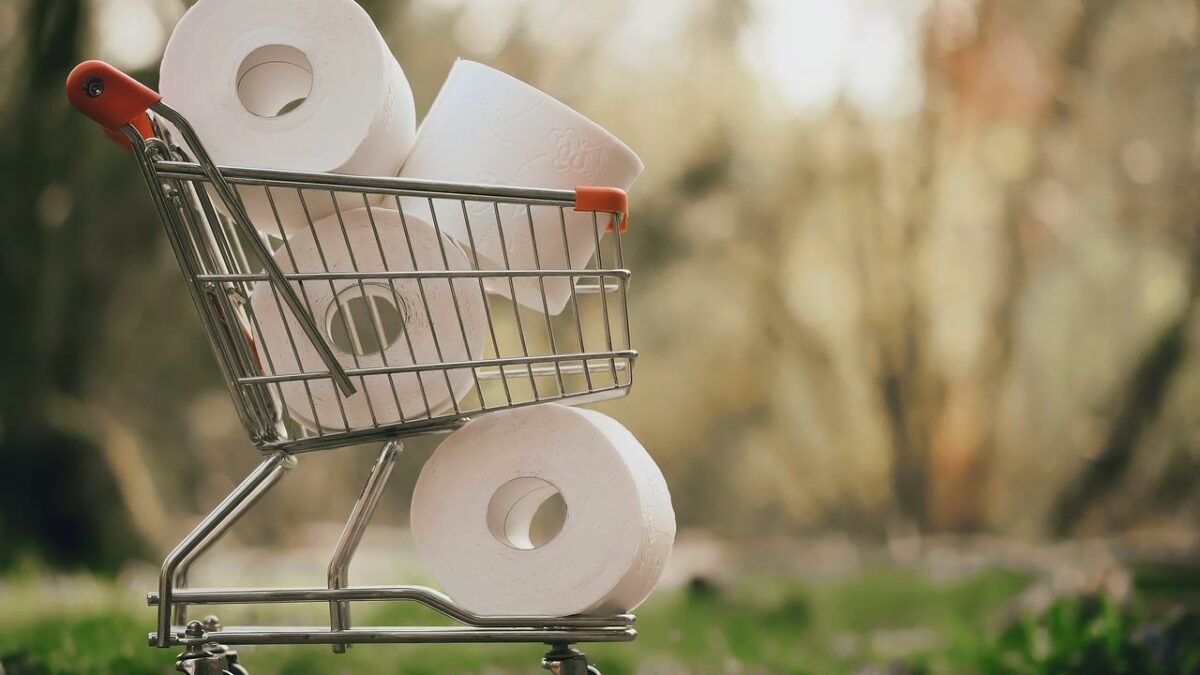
226 258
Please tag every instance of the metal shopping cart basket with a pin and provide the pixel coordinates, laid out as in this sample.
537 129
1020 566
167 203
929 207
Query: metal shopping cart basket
531 357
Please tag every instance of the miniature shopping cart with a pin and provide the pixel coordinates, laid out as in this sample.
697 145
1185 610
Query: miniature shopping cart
581 355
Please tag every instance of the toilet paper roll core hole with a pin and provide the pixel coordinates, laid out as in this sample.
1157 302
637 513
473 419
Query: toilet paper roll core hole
526 513
274 80
366 320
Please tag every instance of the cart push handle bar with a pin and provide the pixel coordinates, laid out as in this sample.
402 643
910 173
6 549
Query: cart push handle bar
115 100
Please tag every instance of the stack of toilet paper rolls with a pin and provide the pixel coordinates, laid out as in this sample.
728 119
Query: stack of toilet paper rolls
310 85
302 85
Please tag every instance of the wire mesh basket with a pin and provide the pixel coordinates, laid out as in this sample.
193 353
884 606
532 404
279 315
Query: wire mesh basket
360 326
340 313
526 357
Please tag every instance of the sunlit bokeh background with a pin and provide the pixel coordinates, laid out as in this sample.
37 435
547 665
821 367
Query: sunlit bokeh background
914 289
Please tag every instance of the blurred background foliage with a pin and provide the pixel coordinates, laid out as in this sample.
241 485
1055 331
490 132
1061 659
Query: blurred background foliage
903 270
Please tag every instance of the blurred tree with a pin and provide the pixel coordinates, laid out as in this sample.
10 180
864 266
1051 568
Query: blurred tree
59 501
972 313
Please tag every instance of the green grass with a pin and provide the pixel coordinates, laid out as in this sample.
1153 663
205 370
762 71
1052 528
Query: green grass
753 625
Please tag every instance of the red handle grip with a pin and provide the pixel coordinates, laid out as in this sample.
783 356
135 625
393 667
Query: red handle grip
604 199
107 95
111 98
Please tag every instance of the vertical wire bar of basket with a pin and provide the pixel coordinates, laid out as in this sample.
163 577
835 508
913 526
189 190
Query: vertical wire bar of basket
183 570
513 300
168 211
287 248
256 328
587 372
193 263
240 354
342 312
618 224
412 352
216 259
344 309
377 321
387 266
608 341
537 263
488 314
219 238
372 309
198 255
487 310
437 343
200 196
235 260
234 242
215 236
462 328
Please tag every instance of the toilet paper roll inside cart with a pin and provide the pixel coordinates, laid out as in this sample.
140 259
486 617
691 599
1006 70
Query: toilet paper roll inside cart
488 127
372 322
300 85
476 498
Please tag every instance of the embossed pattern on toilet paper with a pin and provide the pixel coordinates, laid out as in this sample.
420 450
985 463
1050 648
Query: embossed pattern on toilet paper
487 127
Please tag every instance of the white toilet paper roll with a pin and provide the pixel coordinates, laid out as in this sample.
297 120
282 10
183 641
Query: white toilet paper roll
304 85
476 496
373 323
488 127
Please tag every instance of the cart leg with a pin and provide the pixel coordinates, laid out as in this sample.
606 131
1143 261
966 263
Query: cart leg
352 534
213 522
562 659
185 565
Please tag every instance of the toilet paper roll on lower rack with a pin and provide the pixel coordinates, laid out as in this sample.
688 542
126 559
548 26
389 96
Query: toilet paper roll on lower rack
476 499
488 127
301 85
373 322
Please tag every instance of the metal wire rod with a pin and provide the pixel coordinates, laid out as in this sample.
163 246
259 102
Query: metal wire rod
289 635
211 523
352 534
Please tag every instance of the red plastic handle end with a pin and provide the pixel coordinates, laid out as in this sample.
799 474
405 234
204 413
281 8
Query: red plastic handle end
604 199
108 96
141 123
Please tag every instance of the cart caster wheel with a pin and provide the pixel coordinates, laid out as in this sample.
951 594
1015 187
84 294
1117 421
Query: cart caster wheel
206 666
234 667
562 659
